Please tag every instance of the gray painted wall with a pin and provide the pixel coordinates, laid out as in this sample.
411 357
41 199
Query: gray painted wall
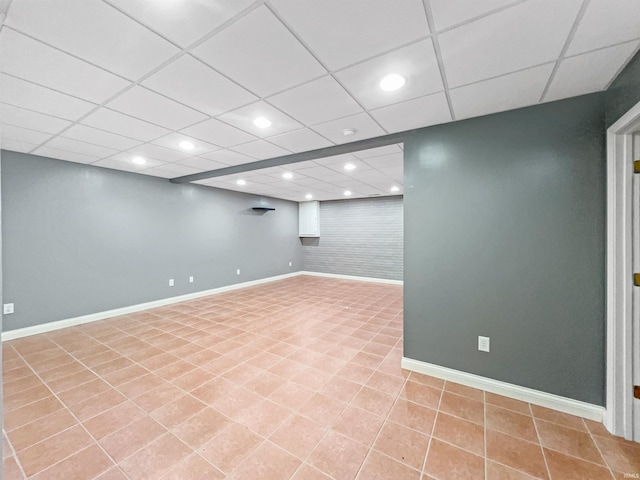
361 237
624 92
81 239
505 237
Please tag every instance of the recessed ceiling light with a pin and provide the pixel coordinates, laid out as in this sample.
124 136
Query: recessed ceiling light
395 188
308 196
392 82
287 175
349 166
185 145
241 182
138 160
262 122
347 193
348 132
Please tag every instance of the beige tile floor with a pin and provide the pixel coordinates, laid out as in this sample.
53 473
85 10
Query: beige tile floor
298 379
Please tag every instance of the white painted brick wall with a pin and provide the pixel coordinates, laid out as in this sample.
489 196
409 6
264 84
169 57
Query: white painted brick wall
360 237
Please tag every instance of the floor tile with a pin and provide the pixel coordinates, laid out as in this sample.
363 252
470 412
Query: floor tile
381 467
565 467
359 425
338 456
568 441
515 453
122 443
460 433
267 461
402 444
508 421
230 447
447 462
156 459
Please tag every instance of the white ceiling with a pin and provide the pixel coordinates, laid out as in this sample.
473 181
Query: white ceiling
102 81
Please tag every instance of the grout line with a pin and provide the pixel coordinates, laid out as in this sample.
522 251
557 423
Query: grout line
604 458
484 429
433 429
544 457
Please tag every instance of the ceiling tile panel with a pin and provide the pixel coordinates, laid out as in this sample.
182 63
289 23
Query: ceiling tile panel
260 53
142 103
417 63
502 93
316 102
23 134
342 33
16 145
119 123
243 119
301 140
385 161
149 150
76 146
28 119
334 130
416 113
31 60
34 97
519 37
590 72
201 163
197 85
122 161
261 150
447 13
93 31
606 22
218 133
60 154
173 141
183 22
100 137
228 157
170 170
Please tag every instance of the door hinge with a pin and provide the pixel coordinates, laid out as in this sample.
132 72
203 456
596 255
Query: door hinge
636 279
636 392
636 166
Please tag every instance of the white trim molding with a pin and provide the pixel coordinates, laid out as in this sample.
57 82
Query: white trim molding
353 277
70 322
529 395
619 364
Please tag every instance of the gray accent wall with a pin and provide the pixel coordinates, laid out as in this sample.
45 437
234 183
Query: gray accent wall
361 237
624 92
505 238
80 239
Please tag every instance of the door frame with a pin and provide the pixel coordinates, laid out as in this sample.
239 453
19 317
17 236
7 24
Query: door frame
618 417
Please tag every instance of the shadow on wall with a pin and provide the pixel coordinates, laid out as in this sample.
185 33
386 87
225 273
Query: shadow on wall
310 241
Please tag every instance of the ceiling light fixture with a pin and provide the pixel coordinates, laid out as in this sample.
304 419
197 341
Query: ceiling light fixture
392 82
347 193
241 182
287 175
308 196
395 188
349 166
186 145
349 132
262 122
138 160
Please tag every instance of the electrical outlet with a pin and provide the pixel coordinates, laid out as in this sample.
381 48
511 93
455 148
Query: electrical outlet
483 344
171 282
191 279
238 272
8 308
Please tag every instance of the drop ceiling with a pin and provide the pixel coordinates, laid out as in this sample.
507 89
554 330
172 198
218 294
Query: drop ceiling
103 81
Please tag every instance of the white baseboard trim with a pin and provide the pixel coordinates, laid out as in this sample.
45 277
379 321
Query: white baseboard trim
353 277
70 322
536 397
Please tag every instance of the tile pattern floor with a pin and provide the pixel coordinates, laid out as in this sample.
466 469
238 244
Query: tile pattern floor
297 379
